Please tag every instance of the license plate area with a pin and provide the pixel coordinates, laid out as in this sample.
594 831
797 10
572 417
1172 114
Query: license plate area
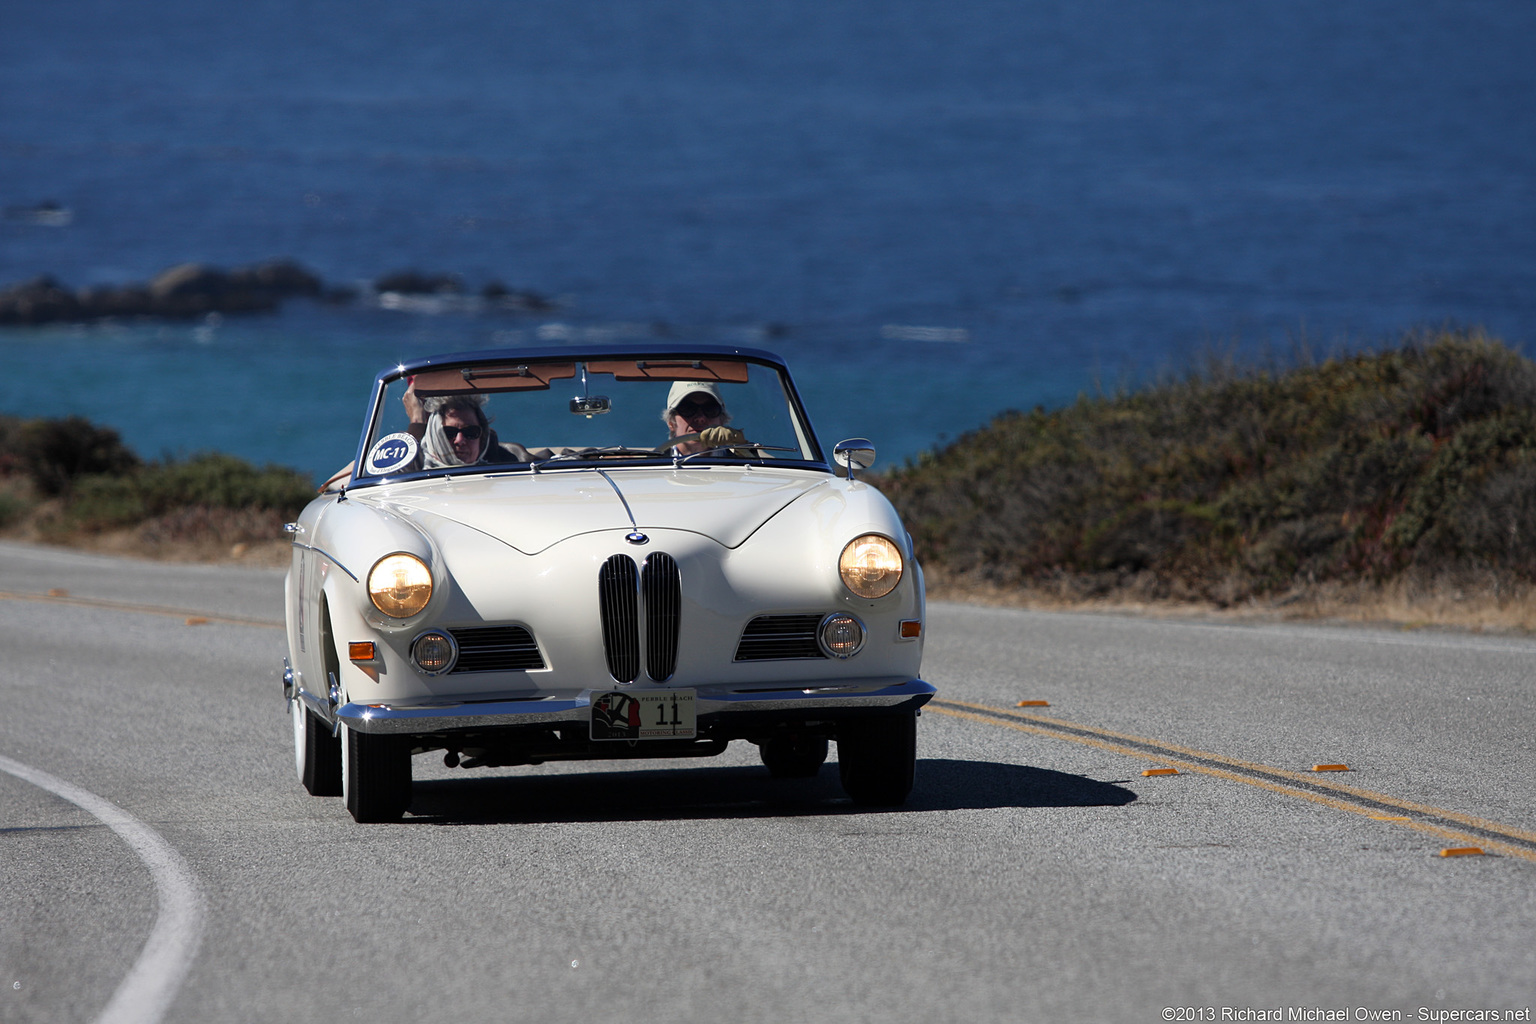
644 715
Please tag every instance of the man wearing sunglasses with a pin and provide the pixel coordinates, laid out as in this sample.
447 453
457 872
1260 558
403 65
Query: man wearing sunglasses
695 412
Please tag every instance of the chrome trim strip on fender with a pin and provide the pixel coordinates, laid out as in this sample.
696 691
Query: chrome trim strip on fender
329 557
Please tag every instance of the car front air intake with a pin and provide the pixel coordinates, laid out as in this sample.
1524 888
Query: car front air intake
780 638
496 649
622 591
662 588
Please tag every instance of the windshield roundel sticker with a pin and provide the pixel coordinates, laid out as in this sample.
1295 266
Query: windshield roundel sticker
389 453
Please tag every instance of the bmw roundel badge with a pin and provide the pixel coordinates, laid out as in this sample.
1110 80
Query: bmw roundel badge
638 538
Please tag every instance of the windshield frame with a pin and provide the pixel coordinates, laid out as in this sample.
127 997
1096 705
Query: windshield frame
799 419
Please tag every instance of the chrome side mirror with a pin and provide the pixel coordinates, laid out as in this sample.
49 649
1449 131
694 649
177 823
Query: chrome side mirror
854 453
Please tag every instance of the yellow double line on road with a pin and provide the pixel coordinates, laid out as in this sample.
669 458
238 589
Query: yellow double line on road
1447 824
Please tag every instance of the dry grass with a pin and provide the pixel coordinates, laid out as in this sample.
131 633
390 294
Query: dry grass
251 537
1474 604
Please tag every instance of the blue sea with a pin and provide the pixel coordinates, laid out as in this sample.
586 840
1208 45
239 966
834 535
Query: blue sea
936 211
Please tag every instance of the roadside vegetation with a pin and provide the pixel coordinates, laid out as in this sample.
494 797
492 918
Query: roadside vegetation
1395 484
68 481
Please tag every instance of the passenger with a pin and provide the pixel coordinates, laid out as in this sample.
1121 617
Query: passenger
695 411
455 431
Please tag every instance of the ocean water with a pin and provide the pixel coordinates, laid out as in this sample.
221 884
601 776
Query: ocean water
936 211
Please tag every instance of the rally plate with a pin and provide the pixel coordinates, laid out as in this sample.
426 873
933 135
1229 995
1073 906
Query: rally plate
644 715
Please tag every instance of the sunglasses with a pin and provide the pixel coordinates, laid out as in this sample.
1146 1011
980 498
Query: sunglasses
470 433
708 407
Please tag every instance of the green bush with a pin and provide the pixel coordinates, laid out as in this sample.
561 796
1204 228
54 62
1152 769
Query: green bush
56 453
205 481
1361 467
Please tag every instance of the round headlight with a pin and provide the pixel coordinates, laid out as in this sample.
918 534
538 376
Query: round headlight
434 652
870 566
841 636
400 585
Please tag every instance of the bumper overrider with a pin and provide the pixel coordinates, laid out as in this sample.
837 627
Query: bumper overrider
716 707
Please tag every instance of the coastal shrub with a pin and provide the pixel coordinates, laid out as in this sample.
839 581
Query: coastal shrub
209 480
57 452
1231 482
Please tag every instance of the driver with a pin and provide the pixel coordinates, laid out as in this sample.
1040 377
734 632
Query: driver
695 411
454 430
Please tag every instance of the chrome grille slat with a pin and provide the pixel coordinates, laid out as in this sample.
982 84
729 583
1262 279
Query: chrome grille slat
496 649
661 585
780 638
618 601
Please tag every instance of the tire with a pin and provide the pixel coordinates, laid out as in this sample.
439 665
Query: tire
375 776
794 757
877 759
316 753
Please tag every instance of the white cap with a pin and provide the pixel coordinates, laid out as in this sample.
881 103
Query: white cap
683 388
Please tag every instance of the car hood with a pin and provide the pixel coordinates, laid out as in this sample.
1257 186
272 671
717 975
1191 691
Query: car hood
532 511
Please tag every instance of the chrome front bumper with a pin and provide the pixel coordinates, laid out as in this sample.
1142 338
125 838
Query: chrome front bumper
710 701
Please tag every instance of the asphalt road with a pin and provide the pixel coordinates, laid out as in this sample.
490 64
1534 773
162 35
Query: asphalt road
158 860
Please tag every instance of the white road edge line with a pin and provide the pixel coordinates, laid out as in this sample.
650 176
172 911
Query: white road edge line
143 996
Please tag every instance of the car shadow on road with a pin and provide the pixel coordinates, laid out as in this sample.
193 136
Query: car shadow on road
682 793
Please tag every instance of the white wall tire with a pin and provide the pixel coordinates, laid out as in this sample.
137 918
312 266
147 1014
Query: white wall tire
316 753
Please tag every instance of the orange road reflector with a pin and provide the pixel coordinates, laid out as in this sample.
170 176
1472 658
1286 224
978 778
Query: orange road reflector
1462 851
196 620
1331 768
1033 704
1161 771
58 592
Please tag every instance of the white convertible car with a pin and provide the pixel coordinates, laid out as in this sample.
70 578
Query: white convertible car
595 553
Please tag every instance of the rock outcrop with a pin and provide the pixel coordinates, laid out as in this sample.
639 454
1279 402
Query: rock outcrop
188 290
191 290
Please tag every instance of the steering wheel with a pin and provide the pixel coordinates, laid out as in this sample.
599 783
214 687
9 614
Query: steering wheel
673 442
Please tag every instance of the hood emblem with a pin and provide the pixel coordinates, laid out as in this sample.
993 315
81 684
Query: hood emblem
637 538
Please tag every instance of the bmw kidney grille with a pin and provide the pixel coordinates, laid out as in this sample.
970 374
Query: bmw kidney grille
622 590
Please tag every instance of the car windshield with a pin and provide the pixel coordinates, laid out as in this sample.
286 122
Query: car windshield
510 413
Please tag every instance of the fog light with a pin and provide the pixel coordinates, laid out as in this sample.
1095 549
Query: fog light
434 652
841 636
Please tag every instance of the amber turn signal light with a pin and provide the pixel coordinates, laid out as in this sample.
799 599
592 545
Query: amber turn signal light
361 650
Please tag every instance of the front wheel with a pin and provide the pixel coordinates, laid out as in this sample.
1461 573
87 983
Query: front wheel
316 753
877 759
375 775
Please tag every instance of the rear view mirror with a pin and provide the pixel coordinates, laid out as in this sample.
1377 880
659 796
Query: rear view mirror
590 405
854 453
